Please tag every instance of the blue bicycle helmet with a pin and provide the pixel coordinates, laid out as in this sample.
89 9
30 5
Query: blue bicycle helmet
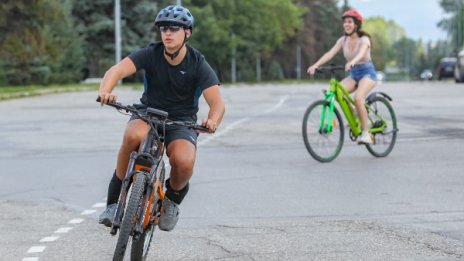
175 14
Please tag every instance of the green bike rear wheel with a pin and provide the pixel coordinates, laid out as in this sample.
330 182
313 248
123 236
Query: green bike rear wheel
383 141
323 146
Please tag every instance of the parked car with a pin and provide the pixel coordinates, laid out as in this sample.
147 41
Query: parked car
446 67
426 75
459 67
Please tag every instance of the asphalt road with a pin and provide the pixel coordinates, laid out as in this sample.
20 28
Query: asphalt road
256 193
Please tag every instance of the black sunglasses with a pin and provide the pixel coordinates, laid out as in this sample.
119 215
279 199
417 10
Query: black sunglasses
172 28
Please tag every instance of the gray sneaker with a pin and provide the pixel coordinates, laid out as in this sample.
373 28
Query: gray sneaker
169 216
107 216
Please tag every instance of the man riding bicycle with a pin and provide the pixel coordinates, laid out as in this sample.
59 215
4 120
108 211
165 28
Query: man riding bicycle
176 75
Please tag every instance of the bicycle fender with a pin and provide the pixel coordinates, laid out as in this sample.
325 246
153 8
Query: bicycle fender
375 94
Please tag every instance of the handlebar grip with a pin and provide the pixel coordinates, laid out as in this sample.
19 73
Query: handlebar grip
202 128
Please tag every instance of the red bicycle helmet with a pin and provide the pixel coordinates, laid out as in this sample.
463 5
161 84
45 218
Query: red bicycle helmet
354 14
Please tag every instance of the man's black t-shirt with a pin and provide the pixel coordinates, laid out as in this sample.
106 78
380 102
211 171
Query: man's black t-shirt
175 89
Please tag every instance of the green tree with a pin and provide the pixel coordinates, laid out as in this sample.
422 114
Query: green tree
224 28
454 24
384 34
95 24
33 33
65 55
322 26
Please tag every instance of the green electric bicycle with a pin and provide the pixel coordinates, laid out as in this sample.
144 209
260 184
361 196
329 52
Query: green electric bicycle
323 128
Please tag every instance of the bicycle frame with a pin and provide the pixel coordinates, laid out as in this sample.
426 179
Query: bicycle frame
339 94
147 161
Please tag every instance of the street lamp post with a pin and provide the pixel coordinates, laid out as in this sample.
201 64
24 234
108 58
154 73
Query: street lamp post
117 29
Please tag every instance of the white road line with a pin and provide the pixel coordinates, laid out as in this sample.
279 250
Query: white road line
88 212
99 205
76 221
278 105
220 133
62 230
236 123
36 249
49 239
30 259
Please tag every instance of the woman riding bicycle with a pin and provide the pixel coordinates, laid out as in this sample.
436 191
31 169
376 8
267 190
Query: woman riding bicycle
175 77
356 45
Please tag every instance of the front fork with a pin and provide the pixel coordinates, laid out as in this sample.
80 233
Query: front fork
151 203
123 195
132 170
323 126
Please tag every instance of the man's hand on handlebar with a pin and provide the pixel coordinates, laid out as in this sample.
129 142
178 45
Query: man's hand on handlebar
106 98
210 124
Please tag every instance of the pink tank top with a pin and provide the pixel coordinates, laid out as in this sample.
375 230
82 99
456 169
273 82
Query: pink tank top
350 53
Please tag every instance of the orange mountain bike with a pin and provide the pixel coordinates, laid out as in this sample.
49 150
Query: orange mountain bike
142 191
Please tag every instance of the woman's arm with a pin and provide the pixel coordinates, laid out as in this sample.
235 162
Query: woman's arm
325 58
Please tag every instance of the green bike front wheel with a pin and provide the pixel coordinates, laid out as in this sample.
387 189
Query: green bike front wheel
322 144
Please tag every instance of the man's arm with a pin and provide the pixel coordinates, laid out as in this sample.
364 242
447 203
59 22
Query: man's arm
216 107
117 72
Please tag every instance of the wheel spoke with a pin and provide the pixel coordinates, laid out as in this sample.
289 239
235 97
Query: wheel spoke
381 110
322 146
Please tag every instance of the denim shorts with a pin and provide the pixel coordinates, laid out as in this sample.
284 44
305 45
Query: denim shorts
360 71
173 132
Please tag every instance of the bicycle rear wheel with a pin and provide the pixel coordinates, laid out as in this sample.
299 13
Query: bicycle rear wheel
323 146
130 217
383 141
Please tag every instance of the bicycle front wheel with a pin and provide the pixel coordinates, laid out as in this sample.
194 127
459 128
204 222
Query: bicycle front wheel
381 112
139 251
140 247
130 217
322 145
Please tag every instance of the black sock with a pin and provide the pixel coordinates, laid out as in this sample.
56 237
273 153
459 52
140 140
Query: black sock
176 196
113 190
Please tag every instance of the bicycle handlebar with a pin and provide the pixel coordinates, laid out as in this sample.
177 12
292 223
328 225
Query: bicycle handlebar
128 108
331 68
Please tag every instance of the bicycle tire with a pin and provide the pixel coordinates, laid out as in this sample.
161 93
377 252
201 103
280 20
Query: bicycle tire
129 219
384 141
319 144
140 247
